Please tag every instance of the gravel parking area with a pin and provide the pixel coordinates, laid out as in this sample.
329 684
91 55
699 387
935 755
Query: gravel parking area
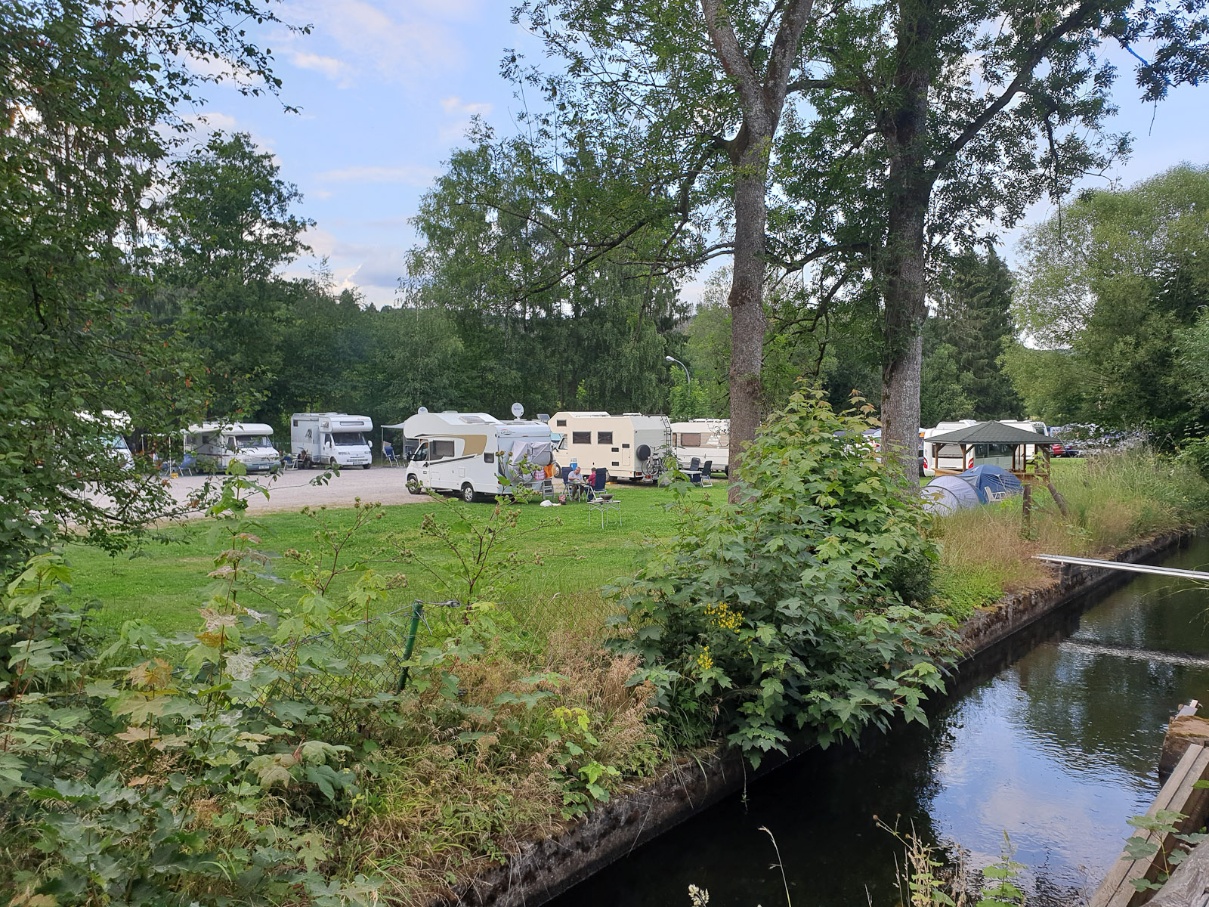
292 489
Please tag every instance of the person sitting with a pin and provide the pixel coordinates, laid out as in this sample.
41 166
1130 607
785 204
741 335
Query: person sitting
575 481
388 453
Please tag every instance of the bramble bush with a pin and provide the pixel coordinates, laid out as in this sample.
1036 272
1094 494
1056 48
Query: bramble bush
272 757
796 608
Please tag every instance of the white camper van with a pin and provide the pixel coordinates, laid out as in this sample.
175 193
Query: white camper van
114 426
217 445
331 439
706 439
630 446
476 454
1030 450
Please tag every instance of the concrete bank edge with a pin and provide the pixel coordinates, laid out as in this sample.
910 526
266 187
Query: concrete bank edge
541 870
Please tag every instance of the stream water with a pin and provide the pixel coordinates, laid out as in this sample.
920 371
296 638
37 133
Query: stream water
1055 749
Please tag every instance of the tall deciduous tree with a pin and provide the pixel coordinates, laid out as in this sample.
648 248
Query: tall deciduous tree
88 91
1118 282
226 226
887 130
707 93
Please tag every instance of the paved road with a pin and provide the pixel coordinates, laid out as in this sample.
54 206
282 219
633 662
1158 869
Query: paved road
292 489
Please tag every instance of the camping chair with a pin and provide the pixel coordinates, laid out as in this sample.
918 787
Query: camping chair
187 464
388 454
707 469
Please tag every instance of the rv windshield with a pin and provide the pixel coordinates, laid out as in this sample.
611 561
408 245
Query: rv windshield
348 439
253 440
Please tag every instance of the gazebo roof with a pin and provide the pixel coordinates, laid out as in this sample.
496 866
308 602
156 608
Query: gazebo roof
990 433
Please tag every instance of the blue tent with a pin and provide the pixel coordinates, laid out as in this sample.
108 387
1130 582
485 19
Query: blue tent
948 494
993 483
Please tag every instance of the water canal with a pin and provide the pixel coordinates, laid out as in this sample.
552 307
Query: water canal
1056 748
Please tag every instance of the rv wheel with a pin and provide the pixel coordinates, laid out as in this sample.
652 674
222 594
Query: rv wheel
468 493
413 484
366 466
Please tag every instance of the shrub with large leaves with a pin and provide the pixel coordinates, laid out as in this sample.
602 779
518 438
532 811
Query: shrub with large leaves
795 608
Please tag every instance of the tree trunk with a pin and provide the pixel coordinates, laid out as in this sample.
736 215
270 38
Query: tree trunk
903 260
746 302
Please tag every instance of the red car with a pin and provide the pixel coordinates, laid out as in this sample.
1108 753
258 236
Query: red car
1057 450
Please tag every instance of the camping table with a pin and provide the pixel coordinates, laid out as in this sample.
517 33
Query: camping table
605 504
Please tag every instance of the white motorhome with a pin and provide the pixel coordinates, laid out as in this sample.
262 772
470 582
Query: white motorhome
114 426
475 454
331 439
708 440
216 445
630 446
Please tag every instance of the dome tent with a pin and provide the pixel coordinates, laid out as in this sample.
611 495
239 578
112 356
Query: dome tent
948 494
993 483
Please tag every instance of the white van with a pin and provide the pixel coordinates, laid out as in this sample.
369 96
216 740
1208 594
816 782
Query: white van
331 439
631 446
947 457
475 454
216 445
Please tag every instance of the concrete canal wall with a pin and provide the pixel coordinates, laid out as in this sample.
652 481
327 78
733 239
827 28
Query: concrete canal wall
541 870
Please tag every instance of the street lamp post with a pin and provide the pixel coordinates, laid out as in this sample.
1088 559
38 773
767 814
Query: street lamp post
688 379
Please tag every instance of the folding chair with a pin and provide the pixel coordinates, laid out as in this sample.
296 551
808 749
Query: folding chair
707 470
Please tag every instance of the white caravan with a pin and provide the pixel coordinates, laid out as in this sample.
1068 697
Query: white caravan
947 457
630 446
476 454
331 439
1030 450
216 445
706 439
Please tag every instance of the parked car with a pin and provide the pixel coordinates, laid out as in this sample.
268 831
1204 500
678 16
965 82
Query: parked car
1057 450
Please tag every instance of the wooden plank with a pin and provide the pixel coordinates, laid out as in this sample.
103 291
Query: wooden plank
1177 794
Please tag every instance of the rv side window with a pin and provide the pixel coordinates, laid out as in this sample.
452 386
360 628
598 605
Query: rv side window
604 437
690 439
581 437
488 458
441 449
561 423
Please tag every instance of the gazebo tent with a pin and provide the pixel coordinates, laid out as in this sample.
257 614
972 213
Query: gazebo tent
948 494
998 433
992 483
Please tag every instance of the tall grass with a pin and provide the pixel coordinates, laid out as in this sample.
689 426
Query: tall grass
1114 500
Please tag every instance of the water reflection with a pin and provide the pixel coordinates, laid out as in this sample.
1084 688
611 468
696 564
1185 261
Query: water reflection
1056 750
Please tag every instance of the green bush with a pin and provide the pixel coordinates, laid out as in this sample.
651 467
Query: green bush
797 607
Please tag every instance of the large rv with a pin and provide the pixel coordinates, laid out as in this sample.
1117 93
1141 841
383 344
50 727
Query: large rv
216 445
631 446
331 439
707 440
475 454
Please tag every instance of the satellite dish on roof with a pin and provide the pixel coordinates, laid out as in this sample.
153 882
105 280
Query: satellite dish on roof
423 410
517 410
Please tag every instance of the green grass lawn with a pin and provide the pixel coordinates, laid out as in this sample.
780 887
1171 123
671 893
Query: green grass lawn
566 557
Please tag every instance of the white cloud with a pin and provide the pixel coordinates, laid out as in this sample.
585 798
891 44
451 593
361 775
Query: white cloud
212 121
455 106
397 43
412 175
336 70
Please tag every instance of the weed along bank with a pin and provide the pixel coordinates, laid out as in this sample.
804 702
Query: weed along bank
436 703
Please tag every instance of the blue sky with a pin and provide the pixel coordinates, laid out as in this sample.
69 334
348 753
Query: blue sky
387 89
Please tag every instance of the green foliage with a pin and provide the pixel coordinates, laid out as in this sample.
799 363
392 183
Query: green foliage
796 607
1195 453
1119 281
1165 843
91 92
